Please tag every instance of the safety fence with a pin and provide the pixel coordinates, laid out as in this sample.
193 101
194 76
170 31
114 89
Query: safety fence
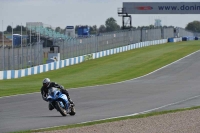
11 74
30 52
80 46
21 57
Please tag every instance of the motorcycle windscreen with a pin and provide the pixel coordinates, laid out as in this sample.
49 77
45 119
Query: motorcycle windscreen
52 91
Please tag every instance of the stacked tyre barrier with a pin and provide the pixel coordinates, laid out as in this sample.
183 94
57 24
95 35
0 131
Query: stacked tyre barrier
197 38
174 39
188 38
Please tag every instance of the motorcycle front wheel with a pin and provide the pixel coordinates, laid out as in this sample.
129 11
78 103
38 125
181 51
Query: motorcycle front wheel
62 111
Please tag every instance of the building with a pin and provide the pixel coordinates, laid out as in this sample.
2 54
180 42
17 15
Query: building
70 31
157 23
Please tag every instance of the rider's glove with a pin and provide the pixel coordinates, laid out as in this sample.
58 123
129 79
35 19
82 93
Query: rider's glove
44 98
61 87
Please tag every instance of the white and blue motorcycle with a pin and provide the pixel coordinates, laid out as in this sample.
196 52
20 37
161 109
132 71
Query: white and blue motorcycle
60 102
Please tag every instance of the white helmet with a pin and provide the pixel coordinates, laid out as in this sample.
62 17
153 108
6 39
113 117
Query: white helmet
46 82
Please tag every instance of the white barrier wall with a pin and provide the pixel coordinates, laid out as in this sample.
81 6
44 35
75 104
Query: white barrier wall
11 74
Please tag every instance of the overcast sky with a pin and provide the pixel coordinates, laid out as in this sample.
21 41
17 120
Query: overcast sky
64 13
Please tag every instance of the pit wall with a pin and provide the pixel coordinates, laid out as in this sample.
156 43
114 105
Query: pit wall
11 74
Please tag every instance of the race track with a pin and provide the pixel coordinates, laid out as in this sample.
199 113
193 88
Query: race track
174 86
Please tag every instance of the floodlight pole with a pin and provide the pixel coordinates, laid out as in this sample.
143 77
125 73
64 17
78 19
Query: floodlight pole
21 48
3 47
12 49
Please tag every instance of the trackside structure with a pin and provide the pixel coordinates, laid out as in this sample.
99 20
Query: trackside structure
156 8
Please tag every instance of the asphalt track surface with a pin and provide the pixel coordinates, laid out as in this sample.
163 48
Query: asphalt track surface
174 86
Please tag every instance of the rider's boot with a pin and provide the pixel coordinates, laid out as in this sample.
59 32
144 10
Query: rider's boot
64 91
50 107
71 102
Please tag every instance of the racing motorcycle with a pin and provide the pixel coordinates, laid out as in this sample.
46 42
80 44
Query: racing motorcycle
60 102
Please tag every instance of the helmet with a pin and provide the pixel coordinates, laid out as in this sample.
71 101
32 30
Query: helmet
46 82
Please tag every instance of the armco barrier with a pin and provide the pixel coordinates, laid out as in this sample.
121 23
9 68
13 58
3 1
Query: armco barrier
11 74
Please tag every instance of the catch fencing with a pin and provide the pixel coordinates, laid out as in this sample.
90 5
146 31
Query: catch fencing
21 57
32 53
82 46
11 74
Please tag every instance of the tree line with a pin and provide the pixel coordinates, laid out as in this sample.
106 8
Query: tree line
193 26
109 26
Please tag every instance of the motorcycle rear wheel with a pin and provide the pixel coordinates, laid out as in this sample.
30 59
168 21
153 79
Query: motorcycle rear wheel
72 111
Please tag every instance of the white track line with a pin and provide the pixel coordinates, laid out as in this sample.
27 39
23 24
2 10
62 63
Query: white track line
143 112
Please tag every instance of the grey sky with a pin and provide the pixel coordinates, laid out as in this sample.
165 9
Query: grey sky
80 12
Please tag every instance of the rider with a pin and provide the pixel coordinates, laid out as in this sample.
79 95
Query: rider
48 84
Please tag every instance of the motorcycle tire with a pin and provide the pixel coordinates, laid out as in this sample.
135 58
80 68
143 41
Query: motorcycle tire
72 112
62 111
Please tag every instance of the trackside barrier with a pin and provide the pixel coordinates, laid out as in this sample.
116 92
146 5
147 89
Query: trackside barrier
188 38
174 39
177 39
11 74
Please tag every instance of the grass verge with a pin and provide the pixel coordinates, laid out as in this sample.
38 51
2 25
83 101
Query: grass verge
105 70
109 120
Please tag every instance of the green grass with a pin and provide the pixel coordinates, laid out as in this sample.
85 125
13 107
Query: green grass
110 120
110 69
44 60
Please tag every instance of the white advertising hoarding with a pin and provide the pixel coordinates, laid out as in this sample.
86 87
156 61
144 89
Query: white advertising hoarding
161 7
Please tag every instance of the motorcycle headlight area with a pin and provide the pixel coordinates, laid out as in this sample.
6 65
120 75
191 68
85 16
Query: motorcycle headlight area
51 91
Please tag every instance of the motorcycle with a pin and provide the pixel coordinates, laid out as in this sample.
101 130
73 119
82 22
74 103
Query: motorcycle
60 102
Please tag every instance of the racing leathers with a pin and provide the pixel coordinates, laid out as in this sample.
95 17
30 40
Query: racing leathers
44 92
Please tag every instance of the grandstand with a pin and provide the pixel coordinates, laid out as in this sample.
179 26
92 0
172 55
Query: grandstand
7 42
47 34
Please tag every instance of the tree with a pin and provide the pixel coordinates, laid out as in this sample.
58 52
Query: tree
111 24
151 26
49 28
62 31
102 29
93 29
76 28
193 26
139 27
164 26
18 28
133 28
170 26
9 28
58 29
